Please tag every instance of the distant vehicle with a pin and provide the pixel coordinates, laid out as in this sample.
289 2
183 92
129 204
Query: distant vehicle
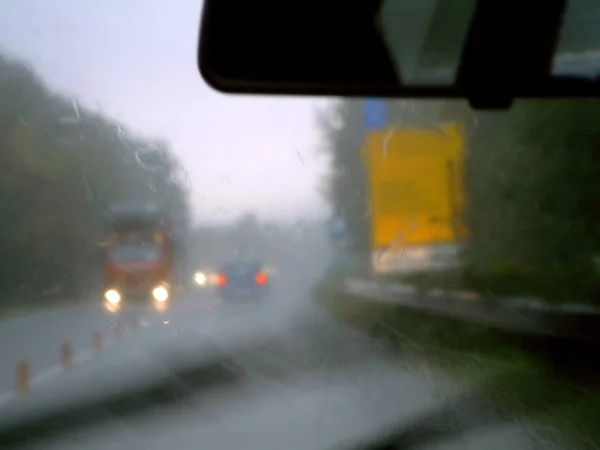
138 257
242 280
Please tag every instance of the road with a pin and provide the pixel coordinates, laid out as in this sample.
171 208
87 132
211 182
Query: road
306 339
37 338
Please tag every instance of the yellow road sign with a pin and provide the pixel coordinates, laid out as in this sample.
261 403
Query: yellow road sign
416 186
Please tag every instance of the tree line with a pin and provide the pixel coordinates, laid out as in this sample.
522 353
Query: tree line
62 165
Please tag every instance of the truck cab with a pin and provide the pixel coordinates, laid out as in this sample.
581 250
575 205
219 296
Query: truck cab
138 262
136 273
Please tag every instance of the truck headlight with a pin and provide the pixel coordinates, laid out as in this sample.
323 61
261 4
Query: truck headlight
200 278
160 294
112 296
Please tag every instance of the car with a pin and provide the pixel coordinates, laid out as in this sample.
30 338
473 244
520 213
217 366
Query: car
241 280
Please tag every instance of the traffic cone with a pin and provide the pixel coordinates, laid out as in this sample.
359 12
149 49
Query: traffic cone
23 376
66 355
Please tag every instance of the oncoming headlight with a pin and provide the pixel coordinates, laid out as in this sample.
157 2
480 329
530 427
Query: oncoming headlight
112 296
200 278
160 293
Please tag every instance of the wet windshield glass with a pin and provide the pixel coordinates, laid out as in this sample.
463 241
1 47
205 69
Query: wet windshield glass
412 250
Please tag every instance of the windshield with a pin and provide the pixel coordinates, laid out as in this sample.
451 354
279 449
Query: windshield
416 249
134 253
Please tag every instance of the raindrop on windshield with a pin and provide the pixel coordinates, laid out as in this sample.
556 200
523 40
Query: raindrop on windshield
144 157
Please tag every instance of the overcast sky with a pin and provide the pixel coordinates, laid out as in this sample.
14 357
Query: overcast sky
136 61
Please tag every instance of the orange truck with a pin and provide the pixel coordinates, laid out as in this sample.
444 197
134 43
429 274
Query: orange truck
138 258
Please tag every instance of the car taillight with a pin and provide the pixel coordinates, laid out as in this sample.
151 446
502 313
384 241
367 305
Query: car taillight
221 280
261 278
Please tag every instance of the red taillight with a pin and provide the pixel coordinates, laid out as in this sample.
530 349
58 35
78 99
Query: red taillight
221 280
261 278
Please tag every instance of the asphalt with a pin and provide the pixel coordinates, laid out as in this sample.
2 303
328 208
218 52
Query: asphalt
302 338
37 338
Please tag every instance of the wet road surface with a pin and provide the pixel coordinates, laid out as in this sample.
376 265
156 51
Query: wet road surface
308 365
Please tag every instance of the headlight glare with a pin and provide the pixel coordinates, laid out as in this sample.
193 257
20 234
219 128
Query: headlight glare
112 296
160 294
200 278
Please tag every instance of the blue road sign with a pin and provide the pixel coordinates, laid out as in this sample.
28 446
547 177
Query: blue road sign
338 229
374 114
338 232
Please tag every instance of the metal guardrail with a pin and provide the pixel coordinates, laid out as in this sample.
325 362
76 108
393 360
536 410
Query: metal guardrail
514 314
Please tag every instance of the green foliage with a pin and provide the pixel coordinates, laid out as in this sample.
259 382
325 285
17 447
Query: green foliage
533 191
62 165
346 187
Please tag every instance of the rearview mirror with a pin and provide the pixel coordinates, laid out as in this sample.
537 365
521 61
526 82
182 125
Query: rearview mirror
489 51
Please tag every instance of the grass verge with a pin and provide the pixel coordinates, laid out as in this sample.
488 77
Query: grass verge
521 383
